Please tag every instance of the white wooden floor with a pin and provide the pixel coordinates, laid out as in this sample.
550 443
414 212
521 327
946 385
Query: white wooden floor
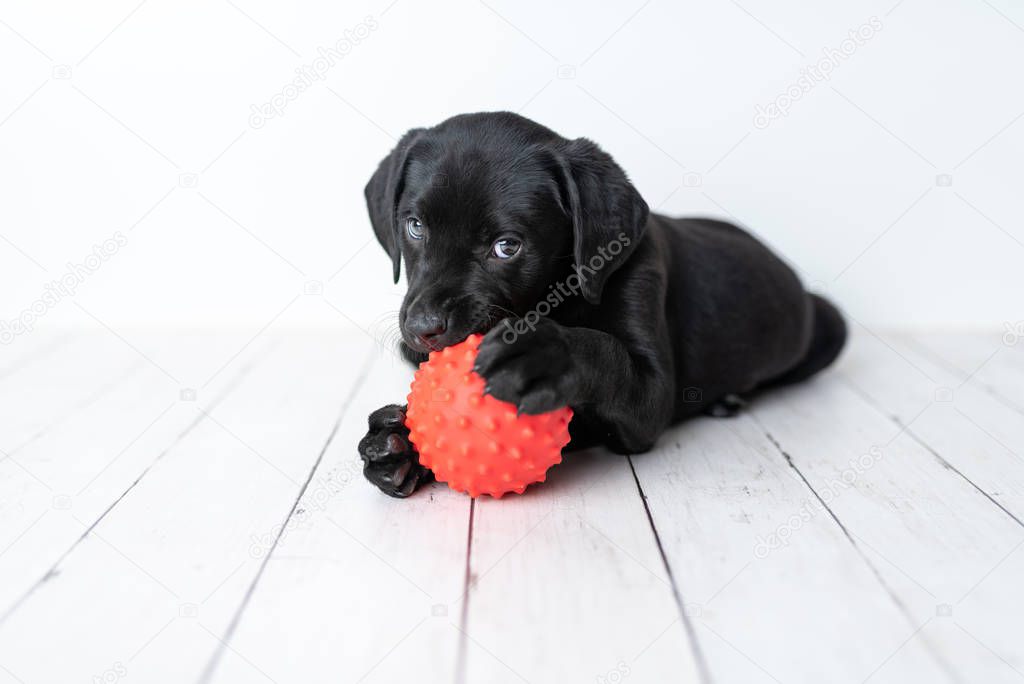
173 509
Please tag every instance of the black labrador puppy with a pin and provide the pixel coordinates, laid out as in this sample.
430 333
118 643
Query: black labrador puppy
587 299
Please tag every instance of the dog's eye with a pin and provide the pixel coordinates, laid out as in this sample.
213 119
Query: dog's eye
506 248
414 228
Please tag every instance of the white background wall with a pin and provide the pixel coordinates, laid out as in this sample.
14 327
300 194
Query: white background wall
107 109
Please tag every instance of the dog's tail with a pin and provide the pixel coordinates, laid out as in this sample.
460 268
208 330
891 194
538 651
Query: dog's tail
827 339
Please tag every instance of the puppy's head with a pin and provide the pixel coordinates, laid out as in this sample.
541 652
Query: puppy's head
491 211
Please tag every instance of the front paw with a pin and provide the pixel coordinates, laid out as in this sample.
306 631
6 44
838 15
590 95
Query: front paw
531 368
389 459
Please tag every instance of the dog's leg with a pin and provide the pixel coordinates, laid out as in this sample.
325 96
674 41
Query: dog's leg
628 393
726 407
390 460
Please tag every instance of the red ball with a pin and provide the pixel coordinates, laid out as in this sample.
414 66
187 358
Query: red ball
472 441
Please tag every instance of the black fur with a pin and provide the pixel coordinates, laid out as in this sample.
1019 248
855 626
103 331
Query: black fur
647 319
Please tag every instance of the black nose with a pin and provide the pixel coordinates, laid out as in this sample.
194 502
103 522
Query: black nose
427 327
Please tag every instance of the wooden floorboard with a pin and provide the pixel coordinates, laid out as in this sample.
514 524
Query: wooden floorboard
977 437
992 362
190 508
568 584
929 534
79 466
41 395
762 565
959 420
361 587
171 561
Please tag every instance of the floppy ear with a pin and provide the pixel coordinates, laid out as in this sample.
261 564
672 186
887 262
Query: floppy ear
608 214
382 194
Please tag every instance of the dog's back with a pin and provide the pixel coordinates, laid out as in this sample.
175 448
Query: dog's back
740 317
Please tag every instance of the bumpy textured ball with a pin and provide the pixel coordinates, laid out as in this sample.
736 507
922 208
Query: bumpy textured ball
472 441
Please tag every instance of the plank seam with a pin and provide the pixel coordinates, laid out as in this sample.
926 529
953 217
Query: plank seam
52 571
36 355
224 642
85 403
691 635
927 447
897 601
943 362
460 651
